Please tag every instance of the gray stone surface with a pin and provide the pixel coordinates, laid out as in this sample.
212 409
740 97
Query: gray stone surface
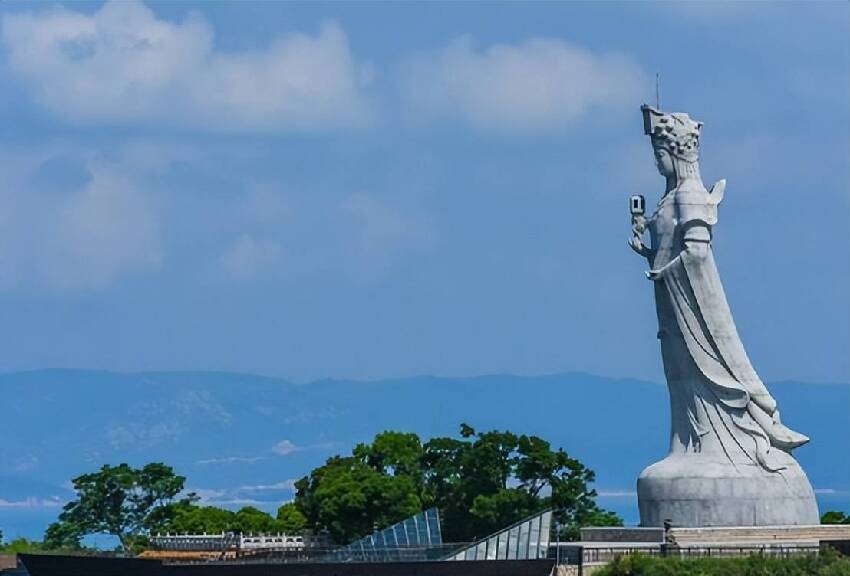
748 535
619 534
730 460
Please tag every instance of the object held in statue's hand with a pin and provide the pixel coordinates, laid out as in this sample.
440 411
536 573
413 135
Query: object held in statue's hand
637 205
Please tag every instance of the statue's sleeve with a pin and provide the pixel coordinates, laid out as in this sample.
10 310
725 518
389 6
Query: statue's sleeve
696 214
696 211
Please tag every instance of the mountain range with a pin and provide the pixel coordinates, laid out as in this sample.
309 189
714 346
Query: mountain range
242 439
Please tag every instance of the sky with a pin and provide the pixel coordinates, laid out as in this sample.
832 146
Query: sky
371 190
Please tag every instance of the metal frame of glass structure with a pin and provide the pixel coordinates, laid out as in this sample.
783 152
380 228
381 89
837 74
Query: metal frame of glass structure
526 540
416 538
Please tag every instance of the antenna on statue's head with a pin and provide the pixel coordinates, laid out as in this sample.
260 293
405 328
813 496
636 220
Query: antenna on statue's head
658 90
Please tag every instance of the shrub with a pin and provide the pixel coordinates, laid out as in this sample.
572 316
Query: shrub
828 563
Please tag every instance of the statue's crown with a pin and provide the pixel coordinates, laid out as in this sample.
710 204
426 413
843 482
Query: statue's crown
675 132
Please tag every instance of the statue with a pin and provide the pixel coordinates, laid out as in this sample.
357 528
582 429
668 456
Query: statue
730 461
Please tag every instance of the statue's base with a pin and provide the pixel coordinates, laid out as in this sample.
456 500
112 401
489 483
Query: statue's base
703 490
719 537
598 546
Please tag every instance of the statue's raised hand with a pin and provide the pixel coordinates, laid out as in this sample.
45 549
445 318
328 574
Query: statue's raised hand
636 241
638 246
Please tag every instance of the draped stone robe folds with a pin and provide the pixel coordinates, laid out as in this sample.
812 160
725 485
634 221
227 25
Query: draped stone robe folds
730 460
719 403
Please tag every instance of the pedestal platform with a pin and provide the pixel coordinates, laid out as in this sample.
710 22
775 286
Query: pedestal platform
697 490
604 543
761 535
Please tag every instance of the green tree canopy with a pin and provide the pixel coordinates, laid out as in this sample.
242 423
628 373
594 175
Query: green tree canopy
123 501
189 518
21 546
835 517
250 520
481 482
290 519
349 498
62 536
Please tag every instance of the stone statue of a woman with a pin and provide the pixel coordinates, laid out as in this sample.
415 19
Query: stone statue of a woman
730 460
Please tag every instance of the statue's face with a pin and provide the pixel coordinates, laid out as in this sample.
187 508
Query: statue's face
664 162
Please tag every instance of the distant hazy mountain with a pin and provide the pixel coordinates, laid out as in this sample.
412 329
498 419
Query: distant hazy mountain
241 439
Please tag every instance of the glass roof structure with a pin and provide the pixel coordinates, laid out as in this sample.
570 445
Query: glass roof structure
416 538
526 540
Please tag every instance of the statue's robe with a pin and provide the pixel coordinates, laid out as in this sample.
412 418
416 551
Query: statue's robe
726 402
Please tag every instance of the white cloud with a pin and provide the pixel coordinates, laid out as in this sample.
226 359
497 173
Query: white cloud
32 502
122 64
255 495
231 460
248 256
539 85
282 448
617 493
104 231
74 237
285 448
830 491
286 485
224 497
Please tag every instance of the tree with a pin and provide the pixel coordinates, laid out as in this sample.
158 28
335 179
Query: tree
62 536
349 498
481 482
188 518
191 519
290 520
21 546
489 480
122 501
835 517
250 520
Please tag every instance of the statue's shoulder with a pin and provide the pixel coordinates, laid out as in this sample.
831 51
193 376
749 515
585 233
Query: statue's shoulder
696 203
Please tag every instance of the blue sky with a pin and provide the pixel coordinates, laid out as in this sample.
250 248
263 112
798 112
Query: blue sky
370 189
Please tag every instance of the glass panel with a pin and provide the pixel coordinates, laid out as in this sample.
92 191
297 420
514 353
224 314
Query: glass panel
527 539
522 553
383 539
513 535
384 545
545 534
405 531
492 544
433 524
420 537
534 539
503 546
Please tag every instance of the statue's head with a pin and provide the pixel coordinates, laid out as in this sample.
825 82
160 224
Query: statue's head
675 140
